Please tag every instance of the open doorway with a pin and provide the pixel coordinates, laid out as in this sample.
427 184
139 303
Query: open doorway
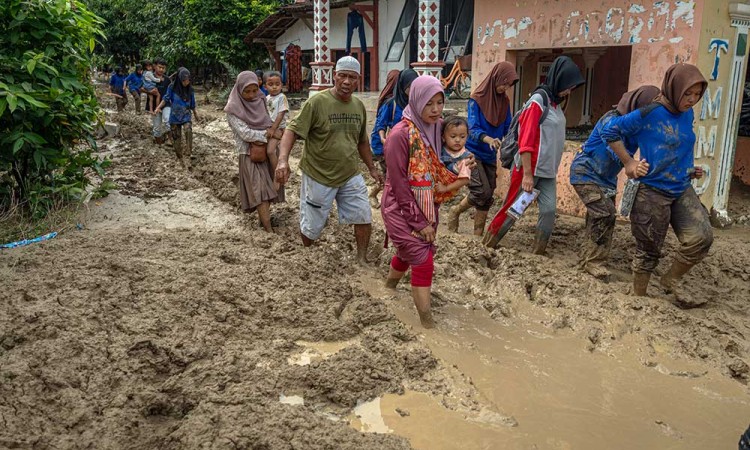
607 70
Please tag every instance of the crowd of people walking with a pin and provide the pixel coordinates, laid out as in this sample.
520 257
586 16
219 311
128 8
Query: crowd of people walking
419 160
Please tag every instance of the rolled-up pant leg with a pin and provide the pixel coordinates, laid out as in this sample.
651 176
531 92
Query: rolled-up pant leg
482 186
601 216
649 222
692 226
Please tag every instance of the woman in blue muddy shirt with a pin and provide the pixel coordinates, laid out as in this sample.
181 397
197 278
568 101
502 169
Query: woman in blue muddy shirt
664 134
593 175
489 120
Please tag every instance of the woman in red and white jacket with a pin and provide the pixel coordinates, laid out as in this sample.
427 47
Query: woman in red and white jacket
540 148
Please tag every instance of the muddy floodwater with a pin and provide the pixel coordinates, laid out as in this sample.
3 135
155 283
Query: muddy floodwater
562 396
169 320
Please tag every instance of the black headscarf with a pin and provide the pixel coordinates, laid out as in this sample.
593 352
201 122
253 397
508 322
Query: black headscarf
405 79
563 74
179 90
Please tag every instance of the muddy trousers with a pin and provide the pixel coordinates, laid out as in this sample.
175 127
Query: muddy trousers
653 212
547 203
482 186
179 149
137 100
121 102
601 215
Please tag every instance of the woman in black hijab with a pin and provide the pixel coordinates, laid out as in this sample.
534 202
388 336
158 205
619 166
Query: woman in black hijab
180 97
540 148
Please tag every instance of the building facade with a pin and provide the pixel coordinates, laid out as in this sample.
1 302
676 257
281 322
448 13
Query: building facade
621 45
618 44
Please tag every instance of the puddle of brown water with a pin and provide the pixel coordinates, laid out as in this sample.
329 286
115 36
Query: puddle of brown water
562 396
316 351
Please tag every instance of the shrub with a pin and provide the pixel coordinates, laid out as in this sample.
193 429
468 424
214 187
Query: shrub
48 109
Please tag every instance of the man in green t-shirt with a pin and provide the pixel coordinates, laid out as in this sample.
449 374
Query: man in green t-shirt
334 127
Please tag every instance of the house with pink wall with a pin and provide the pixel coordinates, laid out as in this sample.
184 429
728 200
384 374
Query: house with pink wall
621 45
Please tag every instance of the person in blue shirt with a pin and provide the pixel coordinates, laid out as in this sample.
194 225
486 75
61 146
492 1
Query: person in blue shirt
134 82
259 74
593 174
117 88
388 115
664 134
181 97
489 121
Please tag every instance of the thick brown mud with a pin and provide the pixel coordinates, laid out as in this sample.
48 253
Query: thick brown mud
172 321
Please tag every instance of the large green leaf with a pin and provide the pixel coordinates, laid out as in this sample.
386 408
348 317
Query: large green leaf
12 102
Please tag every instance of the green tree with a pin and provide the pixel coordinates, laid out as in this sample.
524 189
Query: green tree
48 110
191 33
217 29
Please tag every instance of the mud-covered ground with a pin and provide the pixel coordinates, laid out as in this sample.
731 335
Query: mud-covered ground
172 321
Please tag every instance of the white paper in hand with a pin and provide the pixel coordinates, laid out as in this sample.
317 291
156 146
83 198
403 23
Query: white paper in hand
523 201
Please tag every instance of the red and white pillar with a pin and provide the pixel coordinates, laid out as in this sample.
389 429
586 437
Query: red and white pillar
428 47
322 68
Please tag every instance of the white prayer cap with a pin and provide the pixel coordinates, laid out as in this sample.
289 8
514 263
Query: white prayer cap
348 63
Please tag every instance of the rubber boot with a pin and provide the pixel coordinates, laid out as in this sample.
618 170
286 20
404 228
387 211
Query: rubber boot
540 243
480 220
596 269
492 240
640 283
455 213
669 282
594 260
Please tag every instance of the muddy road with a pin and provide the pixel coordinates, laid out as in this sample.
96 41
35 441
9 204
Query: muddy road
172 321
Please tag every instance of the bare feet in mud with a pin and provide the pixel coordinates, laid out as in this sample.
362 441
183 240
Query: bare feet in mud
392 283
426 319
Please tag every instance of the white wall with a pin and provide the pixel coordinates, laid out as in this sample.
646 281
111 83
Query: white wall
336 34
389 12
298 34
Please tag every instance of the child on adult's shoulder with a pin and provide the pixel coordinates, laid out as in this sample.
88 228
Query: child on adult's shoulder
278 109
149 83
454 155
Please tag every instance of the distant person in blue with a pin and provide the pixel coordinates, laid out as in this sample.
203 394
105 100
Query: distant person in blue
134 82
117 88
259 74
664 134
489 121
593 175
388 115
181 96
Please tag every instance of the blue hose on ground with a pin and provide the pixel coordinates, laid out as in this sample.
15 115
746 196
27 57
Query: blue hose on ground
29 241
